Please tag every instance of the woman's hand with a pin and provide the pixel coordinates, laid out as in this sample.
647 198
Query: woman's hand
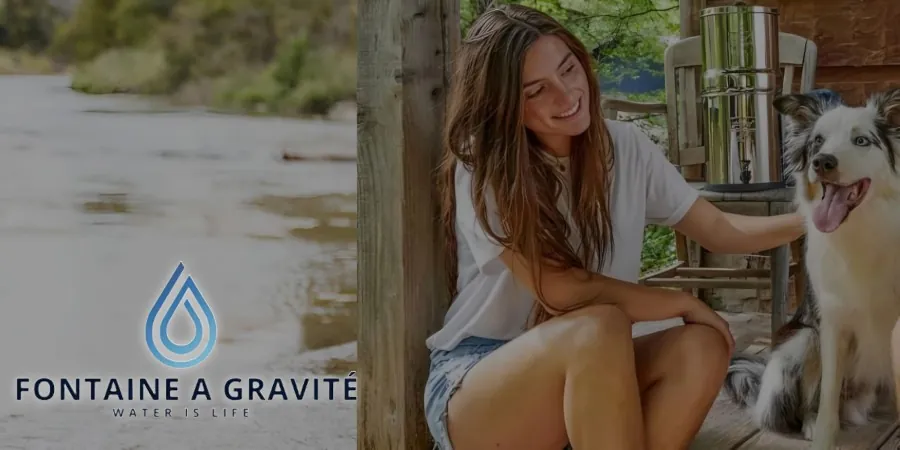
700 313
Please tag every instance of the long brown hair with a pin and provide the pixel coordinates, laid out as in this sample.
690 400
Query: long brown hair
484 131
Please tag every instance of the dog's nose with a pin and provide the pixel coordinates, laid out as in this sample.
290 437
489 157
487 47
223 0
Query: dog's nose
824 163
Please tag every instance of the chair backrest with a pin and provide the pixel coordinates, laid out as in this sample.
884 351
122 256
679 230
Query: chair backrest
684 114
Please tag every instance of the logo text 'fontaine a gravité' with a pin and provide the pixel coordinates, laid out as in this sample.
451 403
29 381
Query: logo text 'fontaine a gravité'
185 355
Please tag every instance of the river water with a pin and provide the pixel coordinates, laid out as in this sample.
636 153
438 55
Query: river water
102 196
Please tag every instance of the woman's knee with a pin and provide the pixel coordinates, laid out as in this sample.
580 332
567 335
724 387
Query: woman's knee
596 327
703 349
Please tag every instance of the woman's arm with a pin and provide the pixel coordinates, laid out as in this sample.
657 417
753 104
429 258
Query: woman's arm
721 232
564 289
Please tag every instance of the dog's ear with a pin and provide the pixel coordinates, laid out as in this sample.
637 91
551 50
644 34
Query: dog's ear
887 105
800 112
802 109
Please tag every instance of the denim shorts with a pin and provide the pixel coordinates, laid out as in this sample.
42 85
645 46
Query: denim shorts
445 376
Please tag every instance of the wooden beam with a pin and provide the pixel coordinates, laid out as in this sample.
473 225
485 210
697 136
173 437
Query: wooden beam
725 272
721 272
662 272
404 51
708 283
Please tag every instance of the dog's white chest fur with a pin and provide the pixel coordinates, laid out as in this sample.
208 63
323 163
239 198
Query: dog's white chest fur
855 273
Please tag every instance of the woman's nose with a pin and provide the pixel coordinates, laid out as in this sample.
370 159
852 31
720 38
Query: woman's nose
566 97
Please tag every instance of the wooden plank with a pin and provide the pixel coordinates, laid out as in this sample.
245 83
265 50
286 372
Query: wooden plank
780 265
727 426
781 260
662 272
868 437
720 272
689 24
725 272
856 438
708 283
628 106
405 46
682 252
797 277
693 156
891 440
733 297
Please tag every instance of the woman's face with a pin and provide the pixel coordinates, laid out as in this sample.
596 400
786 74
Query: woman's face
555 91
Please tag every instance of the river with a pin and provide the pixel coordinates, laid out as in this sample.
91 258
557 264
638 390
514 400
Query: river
102 196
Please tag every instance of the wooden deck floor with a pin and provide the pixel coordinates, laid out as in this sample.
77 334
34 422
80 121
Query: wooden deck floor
727 428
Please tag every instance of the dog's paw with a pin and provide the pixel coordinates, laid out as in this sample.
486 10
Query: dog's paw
822 435
809 428
856 411
857 417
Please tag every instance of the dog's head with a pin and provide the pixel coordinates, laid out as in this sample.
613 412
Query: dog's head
841 157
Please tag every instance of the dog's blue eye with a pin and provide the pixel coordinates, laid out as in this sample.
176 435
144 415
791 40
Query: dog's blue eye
818 140
861 141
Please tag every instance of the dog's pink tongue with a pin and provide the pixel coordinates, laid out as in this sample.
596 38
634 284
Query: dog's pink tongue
833 209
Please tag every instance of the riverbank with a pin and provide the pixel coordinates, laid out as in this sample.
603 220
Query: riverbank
293 58
325 88
16 62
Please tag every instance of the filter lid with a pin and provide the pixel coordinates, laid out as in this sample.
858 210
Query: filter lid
738 8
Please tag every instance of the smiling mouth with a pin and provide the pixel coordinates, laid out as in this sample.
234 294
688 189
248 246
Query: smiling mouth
571 112
837 201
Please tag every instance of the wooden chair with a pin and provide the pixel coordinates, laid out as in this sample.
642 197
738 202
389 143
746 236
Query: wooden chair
686 137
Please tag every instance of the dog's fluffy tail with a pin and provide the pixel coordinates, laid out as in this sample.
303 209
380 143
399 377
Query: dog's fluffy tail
744 379
774 389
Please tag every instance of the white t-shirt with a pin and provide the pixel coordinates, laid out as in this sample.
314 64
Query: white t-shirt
646 189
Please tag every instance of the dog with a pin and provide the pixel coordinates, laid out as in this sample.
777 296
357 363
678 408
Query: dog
831 362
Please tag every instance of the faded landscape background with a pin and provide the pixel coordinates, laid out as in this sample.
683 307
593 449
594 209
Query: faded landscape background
135 134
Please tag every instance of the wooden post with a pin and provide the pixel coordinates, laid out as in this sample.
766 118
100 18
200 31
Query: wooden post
689 21
405 47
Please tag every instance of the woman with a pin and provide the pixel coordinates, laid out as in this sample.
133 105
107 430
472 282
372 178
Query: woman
545 208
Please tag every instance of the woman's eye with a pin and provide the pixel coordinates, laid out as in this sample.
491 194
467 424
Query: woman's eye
534 93
861 141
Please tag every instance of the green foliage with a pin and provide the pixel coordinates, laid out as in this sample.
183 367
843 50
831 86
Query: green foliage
27 24
659 248
100 25
133 71
290 62
624 30
271 56
21 62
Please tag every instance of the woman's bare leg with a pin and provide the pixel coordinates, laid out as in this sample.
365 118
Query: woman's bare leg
680 371
571 378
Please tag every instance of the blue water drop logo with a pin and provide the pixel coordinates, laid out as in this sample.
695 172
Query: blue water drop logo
181 356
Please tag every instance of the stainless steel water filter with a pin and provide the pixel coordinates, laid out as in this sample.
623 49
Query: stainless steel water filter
738 86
